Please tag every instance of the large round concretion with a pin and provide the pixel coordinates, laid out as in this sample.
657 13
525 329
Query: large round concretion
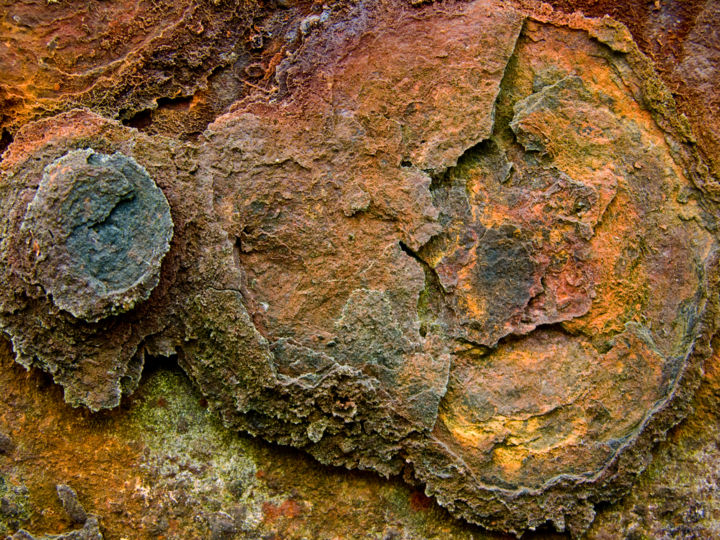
98 228
84 242
497 234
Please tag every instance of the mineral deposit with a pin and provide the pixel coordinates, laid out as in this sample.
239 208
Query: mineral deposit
98 228
485 259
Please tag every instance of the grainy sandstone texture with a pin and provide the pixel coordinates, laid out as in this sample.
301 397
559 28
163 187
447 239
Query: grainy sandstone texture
469 244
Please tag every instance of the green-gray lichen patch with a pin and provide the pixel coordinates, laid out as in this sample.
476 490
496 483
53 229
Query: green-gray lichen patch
14 506
99 228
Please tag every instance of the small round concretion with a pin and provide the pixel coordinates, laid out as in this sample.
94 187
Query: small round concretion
98 228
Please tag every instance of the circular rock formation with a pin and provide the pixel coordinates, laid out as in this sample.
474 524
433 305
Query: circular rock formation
86 253
99 228
497 238
483 259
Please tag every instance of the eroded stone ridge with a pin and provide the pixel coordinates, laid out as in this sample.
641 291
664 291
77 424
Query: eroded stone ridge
481 259
99 228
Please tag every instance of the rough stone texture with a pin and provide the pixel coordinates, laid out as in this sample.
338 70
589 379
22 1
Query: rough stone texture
163 465
98 228
69 499
514 239
104 357
682 39
118 58
90 531
6 444
485 259
15 508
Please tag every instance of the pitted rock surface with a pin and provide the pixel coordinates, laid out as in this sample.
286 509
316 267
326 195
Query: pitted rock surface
99 228
482 259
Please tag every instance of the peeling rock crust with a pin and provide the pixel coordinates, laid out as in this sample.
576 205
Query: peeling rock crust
484 259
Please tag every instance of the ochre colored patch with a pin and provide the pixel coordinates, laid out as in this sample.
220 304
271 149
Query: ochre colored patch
55 444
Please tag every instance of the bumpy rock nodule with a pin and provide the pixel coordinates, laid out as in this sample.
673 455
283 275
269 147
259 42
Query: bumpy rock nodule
99 228
480 257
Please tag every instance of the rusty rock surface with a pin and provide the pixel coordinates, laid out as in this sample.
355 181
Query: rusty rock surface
118 57
98 228
485 259
682 40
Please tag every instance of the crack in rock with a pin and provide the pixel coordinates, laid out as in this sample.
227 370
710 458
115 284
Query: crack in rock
466 258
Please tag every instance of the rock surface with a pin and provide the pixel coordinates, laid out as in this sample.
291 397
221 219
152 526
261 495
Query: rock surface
98 227
485 260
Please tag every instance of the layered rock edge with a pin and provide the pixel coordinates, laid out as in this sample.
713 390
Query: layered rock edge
364 350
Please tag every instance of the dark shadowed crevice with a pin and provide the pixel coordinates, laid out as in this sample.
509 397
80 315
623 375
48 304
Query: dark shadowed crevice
237 252
140 120
181 103
5 139
143 120
154 364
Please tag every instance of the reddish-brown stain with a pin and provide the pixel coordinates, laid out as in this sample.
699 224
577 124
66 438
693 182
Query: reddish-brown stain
420 502
58 444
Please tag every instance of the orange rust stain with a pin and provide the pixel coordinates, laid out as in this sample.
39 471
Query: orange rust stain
57 444
289 509
69 49
510 460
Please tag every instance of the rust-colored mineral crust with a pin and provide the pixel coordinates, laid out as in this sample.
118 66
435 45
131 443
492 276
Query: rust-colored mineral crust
467 242
116 57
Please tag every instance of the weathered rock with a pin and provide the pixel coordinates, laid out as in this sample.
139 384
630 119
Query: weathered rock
69 499
6 444
99 228
683 42
485 258
15 507
222 526
117 59
521 235
98 360
90 531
